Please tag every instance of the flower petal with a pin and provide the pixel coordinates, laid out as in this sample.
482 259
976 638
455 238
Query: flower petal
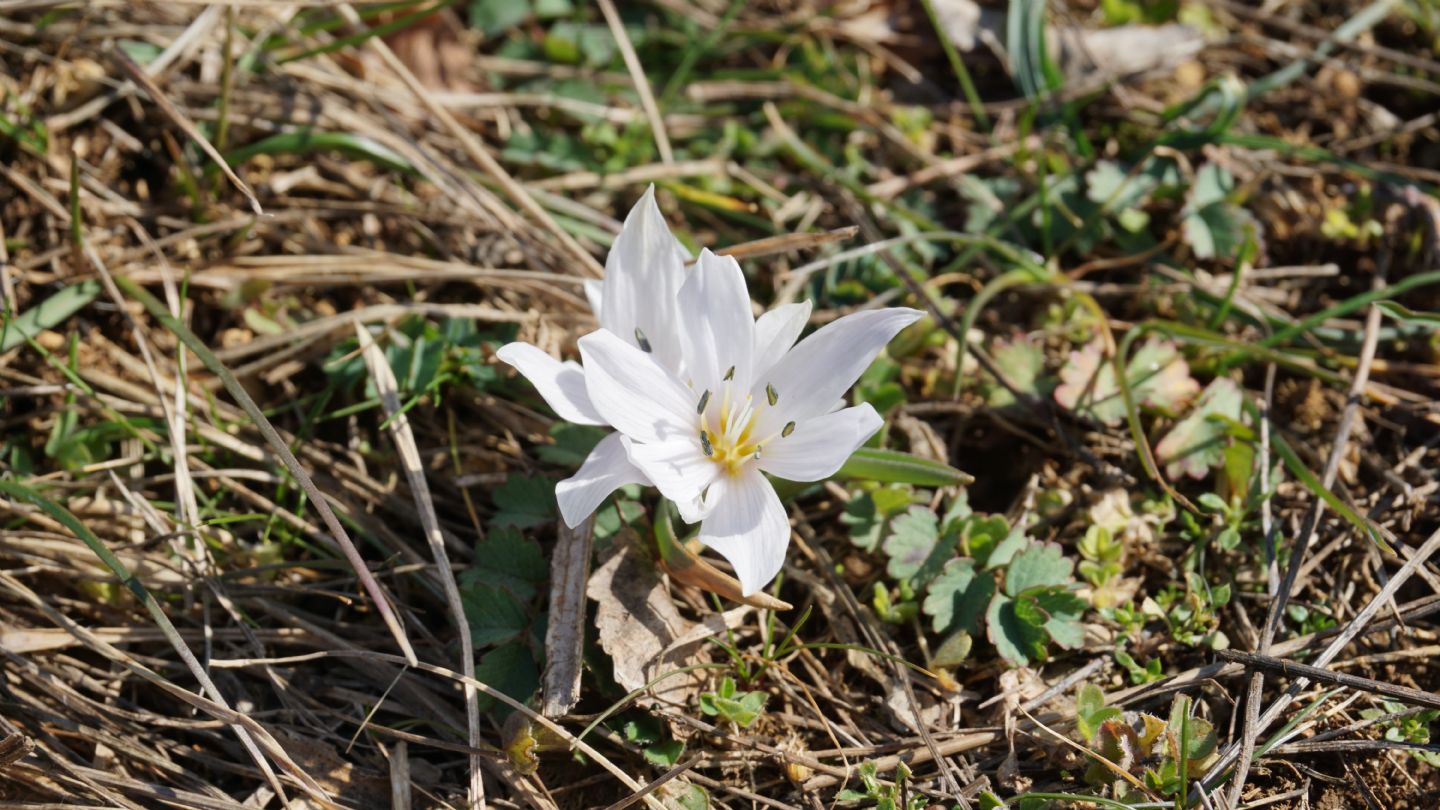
717 330
679 469
776 331
634 393
595 294
561 385
820 445
643 272
748 527
813 375
605 470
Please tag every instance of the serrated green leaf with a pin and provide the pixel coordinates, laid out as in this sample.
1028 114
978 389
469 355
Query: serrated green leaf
1159 377
1023 363
512 669
957 597
1017 640
524 501
573 443
1062 610
507 559
495 616
1198 441
868 513
1038 566
916 547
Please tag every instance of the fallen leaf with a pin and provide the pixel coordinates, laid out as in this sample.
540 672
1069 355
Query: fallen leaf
638 622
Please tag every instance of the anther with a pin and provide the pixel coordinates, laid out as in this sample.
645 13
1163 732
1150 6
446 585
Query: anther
771 395
704 400
705 444
789 428
640 339
730 375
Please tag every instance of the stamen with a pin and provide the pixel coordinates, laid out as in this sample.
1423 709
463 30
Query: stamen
789 428
704 400
730 375
640 339
705 444
771 395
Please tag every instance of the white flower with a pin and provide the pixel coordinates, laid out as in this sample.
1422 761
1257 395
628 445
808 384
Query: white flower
636 301
750 401
706 399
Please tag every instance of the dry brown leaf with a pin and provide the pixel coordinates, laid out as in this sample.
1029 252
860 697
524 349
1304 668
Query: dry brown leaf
638 623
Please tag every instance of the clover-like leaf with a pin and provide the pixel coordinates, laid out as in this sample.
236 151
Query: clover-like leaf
1198 441
958 596
1041 565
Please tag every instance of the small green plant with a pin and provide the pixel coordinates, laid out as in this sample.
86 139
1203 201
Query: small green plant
972 572
1406 727
885 797
1139 755
730 704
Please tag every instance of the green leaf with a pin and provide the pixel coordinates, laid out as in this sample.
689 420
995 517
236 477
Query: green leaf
506 559
868 513
1408 316
1017 640
47 314
524 501
1213 226
306 141
664 753
1091 711
496 16
981 535
495 616
915 545
1038 566
1198 441
953 651
511 669
573 443
1062 610
957 598
894 467
1022 361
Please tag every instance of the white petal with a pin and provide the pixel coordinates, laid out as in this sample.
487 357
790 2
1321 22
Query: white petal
634 393
717 330
595 294
562 385
606 469
820 445
748 527
776 331
643 272
679 469
818 371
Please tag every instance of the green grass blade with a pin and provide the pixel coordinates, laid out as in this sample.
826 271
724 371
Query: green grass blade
47 314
